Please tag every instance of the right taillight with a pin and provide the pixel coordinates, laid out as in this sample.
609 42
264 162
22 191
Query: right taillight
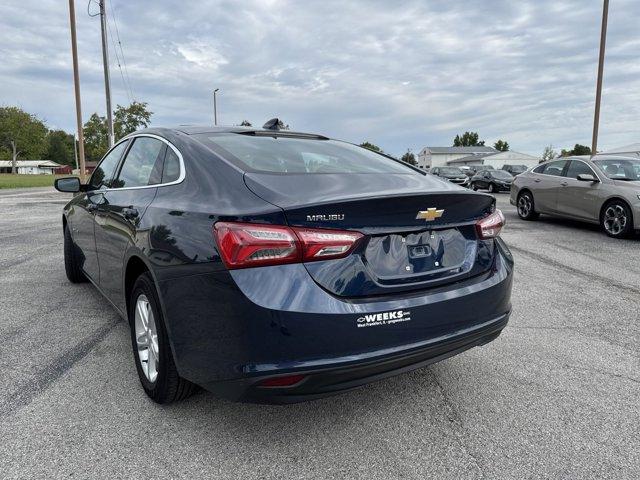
244 245
490 226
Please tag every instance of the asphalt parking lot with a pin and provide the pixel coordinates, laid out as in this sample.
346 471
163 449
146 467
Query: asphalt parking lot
556 396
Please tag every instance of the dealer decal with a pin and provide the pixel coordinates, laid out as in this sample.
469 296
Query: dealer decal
384 318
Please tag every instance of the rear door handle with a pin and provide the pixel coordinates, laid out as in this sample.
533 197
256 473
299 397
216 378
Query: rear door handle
130 213
537 180
564 184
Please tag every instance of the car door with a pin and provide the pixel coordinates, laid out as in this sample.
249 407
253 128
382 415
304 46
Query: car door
546 183
576 198
119 215
82 216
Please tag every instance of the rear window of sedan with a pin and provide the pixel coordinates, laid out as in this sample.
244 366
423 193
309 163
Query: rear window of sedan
289 154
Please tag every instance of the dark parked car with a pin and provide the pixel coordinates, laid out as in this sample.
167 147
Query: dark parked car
514 169
492 180
453 174
274 266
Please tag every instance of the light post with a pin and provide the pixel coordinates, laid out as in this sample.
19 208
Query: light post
215 108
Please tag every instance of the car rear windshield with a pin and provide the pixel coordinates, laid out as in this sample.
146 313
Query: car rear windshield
620 169
289 154
502 174
451 171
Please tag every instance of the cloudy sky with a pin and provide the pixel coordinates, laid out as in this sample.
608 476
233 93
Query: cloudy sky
399 74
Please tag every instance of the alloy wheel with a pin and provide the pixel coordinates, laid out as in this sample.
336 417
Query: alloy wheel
524 206
146 338
615 219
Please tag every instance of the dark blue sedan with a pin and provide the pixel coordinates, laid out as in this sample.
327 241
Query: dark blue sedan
274 266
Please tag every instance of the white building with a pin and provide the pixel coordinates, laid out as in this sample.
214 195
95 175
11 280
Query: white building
439 156
627 150
498 160
30 167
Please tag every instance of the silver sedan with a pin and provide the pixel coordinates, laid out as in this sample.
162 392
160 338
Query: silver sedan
604 190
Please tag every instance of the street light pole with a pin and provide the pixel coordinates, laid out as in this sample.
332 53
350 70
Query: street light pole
107 78
76 85
215 108
603 40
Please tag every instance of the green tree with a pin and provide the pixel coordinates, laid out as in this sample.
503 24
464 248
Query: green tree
371 146
501 146
577 150
409 158
548 154
126 120
60 147
468 139
21 135
95 137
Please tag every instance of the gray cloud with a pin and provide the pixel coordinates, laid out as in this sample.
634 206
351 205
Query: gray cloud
400 74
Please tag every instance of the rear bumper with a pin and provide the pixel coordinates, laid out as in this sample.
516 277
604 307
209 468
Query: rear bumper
322 382
229 330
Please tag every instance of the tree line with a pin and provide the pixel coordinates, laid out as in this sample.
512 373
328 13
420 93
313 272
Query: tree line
24 136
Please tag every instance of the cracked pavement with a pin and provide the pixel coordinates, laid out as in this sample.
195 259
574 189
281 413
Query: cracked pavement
556 396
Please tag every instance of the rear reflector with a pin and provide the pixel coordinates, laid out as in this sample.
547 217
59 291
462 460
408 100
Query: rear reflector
286 381
490 226
244 245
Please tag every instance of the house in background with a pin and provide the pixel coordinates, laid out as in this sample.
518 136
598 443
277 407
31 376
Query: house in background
30 167
498 159
441 156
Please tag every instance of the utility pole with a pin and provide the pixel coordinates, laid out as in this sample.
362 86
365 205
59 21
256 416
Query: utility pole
603 40
76 83
105 64
215 108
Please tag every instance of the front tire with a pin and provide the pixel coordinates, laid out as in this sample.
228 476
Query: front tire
72 259
474 187
526 207
492 188
616 219
151 349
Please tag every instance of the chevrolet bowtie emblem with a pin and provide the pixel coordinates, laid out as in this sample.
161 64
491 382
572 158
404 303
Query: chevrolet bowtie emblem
430 214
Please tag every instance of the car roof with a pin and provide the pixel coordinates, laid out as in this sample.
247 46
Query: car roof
200 129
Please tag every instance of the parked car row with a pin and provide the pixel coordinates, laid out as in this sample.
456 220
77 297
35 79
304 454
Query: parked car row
480 176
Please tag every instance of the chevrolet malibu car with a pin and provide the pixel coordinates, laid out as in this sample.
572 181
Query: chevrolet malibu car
492 180
603 190
453 174
273 266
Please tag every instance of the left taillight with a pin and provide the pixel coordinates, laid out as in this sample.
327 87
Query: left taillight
490 226
244 245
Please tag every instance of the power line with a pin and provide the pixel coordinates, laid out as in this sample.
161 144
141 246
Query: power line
124 60
115 51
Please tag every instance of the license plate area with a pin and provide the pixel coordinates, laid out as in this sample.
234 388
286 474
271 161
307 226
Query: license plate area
417 256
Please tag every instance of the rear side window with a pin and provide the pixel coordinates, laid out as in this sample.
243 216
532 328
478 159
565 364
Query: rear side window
554 168
102 175
282 154
143 164
578 168
171 169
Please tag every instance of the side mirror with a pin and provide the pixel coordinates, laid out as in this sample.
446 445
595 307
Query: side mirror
67 184
587 177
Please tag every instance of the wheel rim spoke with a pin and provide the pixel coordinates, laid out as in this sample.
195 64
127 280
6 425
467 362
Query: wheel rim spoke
146 338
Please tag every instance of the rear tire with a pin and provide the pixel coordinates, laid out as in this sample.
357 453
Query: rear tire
72 259
158 374
616 219
474 187
526 207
